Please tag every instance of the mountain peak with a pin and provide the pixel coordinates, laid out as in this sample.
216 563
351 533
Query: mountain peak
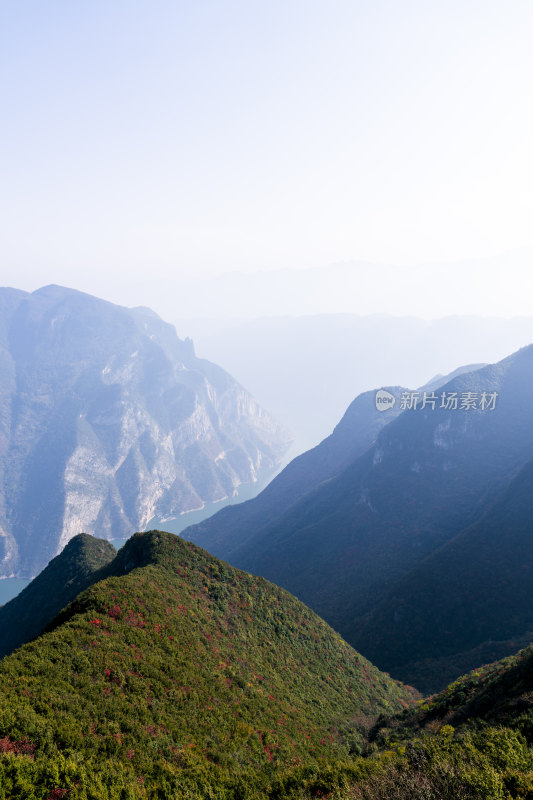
69 573
230 676
110 420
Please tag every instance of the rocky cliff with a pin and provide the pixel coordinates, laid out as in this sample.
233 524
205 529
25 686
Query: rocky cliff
108 419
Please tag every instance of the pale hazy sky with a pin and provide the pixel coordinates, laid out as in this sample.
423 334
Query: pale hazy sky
144 139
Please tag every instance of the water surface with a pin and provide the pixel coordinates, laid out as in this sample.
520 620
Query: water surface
10 588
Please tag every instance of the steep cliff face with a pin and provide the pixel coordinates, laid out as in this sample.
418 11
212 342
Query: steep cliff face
107 419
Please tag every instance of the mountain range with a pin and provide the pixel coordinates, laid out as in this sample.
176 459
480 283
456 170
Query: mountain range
161 671
312 366
376 540
108 419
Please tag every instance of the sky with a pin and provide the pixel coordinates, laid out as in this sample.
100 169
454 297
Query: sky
145 142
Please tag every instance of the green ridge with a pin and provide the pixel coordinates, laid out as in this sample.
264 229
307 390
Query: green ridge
179 676
68 574
472 741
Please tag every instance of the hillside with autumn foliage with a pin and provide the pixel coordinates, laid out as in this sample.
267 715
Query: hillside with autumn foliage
178 675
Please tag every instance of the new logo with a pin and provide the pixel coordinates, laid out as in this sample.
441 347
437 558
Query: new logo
384 400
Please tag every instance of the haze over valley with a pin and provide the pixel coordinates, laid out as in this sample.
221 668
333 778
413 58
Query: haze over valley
266 400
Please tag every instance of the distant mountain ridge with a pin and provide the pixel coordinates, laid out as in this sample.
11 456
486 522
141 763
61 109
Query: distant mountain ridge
108 419
332 358
354 434
231 527
356 541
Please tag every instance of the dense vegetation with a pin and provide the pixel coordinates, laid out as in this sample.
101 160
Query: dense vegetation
474 740
500 694
68 574
179 676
